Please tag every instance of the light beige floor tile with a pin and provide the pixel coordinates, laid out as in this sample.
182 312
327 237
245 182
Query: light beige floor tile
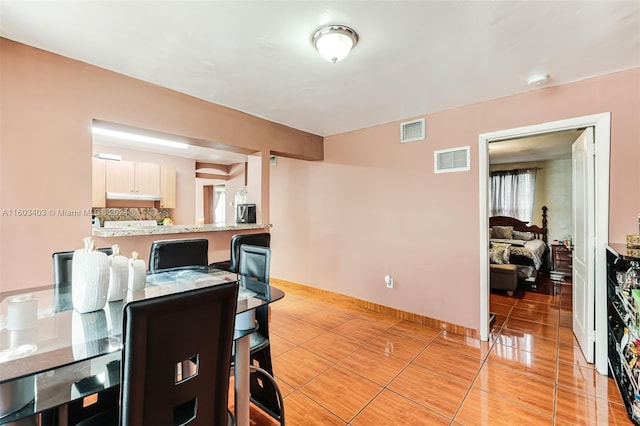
341 391
430 389
359 330
428 372
416 331
297 366
390 409
544 348
523 361
576 408
397 345
449 363
303 411
333 347
586 380
374 365
520 388
481 408
328 318
280 318
469 346
279 345
299 332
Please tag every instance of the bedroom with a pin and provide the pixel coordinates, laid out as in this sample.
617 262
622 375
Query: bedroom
543 166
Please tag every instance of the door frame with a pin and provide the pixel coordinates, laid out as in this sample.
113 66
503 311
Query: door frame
602 136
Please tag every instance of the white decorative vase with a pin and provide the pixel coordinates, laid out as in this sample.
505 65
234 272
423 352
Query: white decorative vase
89 278
137 273
118 276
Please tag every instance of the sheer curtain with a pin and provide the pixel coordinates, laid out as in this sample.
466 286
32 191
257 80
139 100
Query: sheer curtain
513 193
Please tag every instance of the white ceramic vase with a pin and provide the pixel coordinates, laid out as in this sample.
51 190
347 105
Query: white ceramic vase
118 276
137 273
89 278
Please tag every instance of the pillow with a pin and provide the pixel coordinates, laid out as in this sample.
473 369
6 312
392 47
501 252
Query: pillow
502 232
526 236
499 253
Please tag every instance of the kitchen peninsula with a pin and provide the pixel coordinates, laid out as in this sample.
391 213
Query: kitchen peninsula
140 239
172 229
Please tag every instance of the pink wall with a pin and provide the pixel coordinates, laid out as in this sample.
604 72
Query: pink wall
48 104
375 207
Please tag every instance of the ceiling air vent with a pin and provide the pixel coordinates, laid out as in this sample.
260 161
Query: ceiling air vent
412 131
452 160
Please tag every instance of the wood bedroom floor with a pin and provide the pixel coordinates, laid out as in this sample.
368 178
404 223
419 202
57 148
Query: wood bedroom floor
339 365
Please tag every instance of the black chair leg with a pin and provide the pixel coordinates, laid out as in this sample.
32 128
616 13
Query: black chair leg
266 394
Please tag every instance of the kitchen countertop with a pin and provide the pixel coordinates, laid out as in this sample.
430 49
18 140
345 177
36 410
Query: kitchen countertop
173 229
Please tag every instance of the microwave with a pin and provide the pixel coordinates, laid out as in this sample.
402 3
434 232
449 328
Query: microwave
246 213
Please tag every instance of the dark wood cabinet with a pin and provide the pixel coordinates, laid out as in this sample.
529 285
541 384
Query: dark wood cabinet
562 259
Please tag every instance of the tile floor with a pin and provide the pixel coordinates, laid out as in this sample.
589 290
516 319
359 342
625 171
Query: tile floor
339 365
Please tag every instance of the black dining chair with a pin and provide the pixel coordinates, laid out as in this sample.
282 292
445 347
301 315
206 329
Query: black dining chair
62 278
171 254
175 360
262 239
253 271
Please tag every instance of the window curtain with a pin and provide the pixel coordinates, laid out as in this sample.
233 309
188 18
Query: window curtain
513 193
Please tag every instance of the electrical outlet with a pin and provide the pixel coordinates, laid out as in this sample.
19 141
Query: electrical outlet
388 279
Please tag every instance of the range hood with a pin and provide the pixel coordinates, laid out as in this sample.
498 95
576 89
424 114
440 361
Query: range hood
132 196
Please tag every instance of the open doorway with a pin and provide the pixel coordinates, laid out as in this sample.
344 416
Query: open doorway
600 189
531 182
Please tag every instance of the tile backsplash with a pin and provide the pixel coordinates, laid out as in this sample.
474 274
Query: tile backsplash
131 213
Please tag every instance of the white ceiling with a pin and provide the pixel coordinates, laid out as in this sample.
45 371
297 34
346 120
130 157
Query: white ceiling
413 57
193 152
550 146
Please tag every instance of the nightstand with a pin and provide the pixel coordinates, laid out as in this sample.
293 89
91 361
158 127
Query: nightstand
562 258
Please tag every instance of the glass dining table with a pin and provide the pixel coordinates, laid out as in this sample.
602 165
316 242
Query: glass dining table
52 355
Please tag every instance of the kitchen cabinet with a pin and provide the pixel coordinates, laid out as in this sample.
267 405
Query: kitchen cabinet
128 176
168 187
98 187
147 178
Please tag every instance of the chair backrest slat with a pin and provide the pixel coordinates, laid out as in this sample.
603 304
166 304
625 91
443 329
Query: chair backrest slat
170 254
262 239
255 262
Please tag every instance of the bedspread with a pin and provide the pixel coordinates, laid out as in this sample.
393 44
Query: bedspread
532 249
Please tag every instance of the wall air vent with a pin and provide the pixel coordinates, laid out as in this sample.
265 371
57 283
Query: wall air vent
412 131
452 160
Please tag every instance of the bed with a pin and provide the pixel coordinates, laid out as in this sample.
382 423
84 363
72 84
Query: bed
512 241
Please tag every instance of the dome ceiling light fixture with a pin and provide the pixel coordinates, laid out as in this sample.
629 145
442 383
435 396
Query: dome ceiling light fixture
537 79
334 42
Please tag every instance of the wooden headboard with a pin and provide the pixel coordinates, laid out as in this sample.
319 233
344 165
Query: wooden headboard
518 225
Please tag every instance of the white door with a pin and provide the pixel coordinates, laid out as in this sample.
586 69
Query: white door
583 165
